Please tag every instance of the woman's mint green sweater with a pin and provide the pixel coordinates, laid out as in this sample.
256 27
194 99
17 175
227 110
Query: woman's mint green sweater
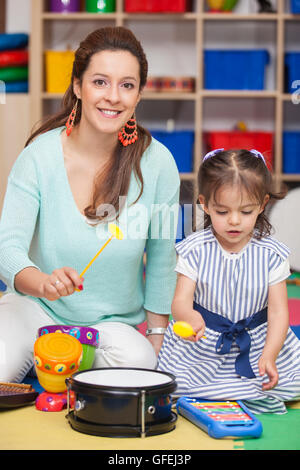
41 226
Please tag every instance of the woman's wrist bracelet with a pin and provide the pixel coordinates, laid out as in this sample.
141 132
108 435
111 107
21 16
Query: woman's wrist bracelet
155 331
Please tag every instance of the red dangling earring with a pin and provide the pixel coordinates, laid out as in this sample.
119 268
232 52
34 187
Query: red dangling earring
71 119
128 134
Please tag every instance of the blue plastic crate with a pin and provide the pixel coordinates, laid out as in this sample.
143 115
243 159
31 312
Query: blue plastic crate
181 145
2 286
235 69
292 63
295 6
291 152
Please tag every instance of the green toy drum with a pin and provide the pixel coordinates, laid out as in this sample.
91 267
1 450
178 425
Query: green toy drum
88 337
100 6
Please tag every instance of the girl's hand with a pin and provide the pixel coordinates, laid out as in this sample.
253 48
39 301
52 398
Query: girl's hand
62 282
198 326
194 321
182 307
268 366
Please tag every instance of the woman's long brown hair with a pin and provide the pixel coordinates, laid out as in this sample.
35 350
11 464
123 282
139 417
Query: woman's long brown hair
114 180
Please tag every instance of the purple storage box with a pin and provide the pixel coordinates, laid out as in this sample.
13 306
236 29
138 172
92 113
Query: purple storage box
64 6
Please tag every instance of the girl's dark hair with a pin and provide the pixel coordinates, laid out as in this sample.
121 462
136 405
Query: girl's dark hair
114 180
242 168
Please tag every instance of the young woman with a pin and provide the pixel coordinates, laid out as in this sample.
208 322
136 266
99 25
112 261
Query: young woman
89 165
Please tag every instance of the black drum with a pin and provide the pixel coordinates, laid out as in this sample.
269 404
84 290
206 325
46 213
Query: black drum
122 402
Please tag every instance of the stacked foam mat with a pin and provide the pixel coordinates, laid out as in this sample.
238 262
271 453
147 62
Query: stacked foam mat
14 62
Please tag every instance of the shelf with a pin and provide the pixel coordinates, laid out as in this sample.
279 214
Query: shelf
119 15
239 94
165 96
44 24
291 17
188 176
78 16
189 16
287 96
239 17
290 177
147 95
159 16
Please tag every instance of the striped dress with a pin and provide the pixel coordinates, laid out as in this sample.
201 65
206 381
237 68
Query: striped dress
234 286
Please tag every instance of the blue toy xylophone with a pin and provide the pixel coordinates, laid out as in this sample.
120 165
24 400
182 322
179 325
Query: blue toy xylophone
220 418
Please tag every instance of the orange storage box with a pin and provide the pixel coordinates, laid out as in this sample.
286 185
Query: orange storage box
58 65
261 141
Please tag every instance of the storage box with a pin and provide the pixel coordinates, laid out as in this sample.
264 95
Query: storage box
104 6
291 152
157 6
261 141
235 69
181 145
292 71
59 66
295 6
64 6
2 286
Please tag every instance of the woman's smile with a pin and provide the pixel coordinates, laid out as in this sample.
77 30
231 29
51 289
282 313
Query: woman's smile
109 113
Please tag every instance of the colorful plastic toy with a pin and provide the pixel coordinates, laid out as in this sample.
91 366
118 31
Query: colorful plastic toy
54 401
184 329
88 337
56 357
221 6
220 419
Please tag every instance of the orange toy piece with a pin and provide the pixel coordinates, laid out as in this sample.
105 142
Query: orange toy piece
56 357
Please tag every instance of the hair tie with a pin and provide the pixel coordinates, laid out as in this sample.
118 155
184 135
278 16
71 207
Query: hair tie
254 152
212 154
258 154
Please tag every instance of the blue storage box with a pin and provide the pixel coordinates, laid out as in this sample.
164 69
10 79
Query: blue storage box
235 69
2 286
295 6
181 146
292 64
291 152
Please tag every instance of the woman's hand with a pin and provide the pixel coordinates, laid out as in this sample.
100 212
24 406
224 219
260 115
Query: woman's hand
156 341
62 282
268 366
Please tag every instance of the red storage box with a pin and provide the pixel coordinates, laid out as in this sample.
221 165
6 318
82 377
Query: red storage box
261 141
156 6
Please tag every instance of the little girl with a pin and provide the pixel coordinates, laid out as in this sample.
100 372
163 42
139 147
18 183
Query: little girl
231 285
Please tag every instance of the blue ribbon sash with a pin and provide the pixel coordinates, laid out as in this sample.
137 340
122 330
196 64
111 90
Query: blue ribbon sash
237 332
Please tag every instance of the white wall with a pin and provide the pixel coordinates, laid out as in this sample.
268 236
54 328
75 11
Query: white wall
18 16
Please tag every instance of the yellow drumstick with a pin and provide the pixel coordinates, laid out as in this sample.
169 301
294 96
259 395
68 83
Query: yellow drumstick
116 232
184 329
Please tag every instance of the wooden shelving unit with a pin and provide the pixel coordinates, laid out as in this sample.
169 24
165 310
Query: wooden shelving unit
199 19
